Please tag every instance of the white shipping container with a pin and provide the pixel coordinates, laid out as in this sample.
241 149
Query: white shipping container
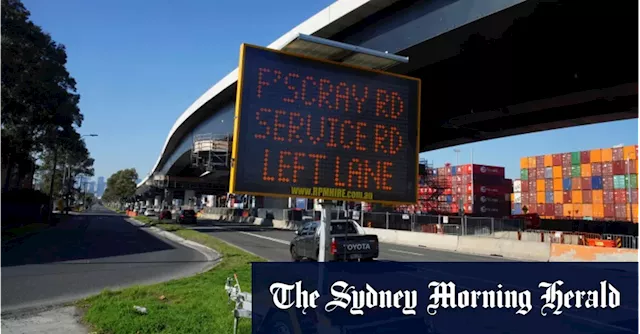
517 187
517 197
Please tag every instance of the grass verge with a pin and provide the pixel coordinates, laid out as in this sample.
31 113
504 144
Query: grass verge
12 233
196 304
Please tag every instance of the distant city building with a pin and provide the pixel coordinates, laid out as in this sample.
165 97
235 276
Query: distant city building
91 187
101 186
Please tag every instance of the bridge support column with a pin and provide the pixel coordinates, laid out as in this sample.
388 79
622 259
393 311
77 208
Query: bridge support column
189 197
157 201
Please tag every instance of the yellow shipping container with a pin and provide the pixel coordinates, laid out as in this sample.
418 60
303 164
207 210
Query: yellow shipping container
567 210
595 156
629 152
587 210
557 196
524 163
532 162
557 184
576 196
585 170
540 197
548 160
597 197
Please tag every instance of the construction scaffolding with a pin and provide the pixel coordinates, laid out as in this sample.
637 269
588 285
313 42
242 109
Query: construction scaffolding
211 152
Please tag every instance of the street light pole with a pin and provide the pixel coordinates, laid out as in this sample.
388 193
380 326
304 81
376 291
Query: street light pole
629 189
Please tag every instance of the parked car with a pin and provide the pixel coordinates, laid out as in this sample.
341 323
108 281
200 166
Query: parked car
186 216
165 214
150 212
142 210
348 241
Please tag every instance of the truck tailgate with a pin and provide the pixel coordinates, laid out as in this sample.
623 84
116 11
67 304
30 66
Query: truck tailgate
356 247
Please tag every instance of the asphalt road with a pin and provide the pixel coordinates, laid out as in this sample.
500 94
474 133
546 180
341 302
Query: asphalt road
273 245
85 254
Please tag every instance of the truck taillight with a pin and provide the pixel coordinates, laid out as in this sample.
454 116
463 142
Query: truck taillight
334 246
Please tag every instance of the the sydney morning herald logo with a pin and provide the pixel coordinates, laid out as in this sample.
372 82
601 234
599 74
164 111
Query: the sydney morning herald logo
444 295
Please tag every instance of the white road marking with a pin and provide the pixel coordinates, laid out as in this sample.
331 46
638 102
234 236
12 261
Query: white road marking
405 252
267 238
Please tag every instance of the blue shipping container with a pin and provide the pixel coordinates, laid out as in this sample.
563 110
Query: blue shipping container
548 197
548 173
453 170
449 199
566 184
596 182
517 209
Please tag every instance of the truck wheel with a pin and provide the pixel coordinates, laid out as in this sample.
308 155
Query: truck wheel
294 254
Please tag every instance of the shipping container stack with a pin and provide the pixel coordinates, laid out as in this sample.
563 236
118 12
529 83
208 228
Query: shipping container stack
600 184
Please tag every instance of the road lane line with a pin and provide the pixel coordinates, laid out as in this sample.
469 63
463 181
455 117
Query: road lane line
405 252
266 238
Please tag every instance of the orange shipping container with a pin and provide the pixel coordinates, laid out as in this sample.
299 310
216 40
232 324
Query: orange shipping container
629 152
577 210
596 197
576 196
548 160
557 184
567 210
596 156
524 163
597 210
532 162
607 154
540 185
634 213
585 170
557 196
587 210
540 197
557 172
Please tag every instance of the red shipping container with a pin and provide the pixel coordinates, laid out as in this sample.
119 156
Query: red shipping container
556 159
557 210
441 171
607 169
532 174
540 161
540 173
634 196
619 168
460 170
576 183
532 186
620 196
596 169
585 157
525 186
508 183
540 209
607 182
549 209
607 196
633 166
548 185
587 197
566 172
466 178
566 197
609 210
585 183
483 169
621 211
618 154
566 159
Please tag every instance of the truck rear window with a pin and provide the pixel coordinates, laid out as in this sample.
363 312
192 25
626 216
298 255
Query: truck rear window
339 228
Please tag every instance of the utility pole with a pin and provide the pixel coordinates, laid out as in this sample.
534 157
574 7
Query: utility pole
630 205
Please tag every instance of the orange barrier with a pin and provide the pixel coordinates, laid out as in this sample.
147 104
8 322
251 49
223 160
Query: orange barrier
577 253
601 243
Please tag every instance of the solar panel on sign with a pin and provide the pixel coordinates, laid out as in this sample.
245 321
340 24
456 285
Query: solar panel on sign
317 129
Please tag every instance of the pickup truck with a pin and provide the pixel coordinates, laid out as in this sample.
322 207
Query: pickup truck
348 242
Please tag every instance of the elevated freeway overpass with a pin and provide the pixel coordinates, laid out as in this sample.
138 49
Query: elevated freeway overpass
489 69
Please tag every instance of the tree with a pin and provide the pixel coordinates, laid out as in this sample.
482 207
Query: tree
121 186
39 100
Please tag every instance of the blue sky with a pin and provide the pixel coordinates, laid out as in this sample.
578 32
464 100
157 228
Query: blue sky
138 67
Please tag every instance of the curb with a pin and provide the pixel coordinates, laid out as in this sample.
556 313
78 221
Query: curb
212 256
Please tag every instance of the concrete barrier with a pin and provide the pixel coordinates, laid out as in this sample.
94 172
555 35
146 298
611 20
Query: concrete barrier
417 239
513 249
576 253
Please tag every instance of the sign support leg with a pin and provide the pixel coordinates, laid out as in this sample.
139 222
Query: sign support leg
325 228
